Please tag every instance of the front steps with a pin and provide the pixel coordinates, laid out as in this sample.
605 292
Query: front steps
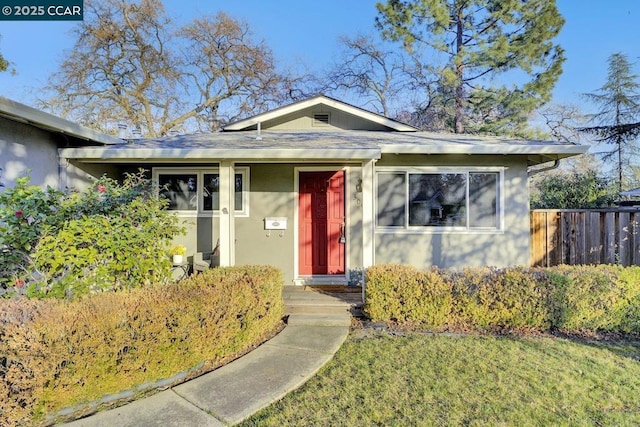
325 305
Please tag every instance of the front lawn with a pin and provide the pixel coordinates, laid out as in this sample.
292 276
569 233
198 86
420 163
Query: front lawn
380 379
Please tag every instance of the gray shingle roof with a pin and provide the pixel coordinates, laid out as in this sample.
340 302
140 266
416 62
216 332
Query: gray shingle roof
355 145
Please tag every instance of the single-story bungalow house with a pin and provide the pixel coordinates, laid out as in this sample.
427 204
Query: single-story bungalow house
318 188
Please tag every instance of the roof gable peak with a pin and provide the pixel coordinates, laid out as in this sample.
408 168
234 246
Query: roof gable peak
375 121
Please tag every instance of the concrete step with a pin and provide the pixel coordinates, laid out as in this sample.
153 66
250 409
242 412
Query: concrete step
316 309
297 296
334 288
320 308
320 319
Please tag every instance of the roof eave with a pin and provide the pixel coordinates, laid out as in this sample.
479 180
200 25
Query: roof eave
504 149
18 112
182 154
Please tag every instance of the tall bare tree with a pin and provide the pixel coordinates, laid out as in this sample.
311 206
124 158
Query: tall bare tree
130 63
119 69
367 69
562 121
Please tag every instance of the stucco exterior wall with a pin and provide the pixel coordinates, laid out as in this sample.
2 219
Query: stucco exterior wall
455 249
337 120
271 195
26 150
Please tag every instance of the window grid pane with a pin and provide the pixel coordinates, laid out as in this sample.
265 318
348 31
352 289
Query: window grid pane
211 192
483 200
459 199
181 190
391 199
438 200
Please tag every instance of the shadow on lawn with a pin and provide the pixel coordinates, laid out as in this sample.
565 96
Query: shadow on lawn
624 345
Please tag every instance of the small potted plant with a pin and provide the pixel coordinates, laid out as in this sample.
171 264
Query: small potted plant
178 252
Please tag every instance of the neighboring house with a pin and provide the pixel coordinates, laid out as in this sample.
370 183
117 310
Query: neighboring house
629 197
321 188
29 143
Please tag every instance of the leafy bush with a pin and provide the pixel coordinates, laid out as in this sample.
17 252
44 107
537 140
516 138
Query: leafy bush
489 298
403 294
572 190
58 354
605 297
24 211
574 298
111 236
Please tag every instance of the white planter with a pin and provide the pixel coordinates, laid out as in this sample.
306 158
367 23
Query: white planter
178 259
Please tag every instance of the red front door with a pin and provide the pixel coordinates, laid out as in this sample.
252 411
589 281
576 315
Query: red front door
321 223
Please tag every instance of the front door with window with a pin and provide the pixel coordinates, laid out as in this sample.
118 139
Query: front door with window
321 223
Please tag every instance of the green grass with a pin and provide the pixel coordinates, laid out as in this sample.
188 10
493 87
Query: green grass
421 380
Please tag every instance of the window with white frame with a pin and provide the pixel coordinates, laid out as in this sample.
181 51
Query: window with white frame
197 191
430 199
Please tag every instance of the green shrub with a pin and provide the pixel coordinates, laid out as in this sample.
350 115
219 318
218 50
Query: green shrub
509 298
111 236
403 294
24 211
572 298
603 297
59 354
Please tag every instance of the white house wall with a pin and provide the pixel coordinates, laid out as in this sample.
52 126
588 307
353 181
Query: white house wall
457 249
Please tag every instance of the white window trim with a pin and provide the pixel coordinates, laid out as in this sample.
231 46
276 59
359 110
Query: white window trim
407 229
200 172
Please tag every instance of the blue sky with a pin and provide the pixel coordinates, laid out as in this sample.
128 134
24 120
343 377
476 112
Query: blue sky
299 31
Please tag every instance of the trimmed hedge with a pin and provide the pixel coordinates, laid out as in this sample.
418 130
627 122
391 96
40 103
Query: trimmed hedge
403 294
58 354
571 298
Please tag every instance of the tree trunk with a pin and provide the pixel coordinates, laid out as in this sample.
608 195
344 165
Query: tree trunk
459 95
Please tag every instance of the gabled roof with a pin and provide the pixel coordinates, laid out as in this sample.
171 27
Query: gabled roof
249 123
21 113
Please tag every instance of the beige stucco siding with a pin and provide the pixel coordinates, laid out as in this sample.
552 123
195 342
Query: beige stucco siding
337 120
26 150
271 195
456 249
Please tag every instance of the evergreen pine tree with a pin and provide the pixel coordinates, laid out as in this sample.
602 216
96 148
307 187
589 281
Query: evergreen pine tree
478 41
617 120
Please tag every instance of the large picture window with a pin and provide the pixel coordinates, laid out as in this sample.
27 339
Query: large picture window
197 191
421 199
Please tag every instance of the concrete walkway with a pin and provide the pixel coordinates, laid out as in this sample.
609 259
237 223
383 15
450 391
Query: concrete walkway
318 324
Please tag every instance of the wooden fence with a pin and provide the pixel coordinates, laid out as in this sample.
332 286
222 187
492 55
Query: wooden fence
609 236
